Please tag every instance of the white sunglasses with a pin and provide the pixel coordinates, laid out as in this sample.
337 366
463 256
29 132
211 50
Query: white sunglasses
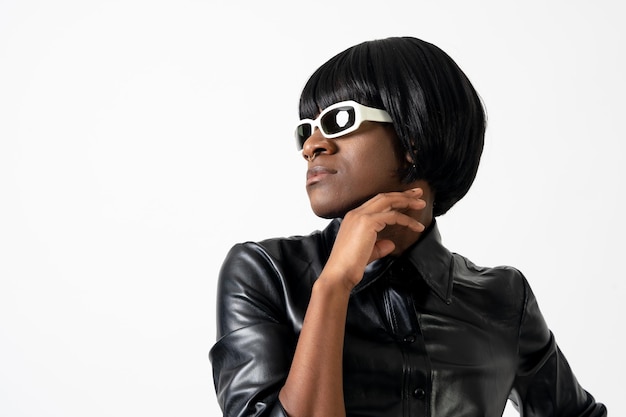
338 120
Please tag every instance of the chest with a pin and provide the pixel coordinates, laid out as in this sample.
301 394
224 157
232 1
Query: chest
409 353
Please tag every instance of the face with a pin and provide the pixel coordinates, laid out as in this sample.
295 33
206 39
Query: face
346 171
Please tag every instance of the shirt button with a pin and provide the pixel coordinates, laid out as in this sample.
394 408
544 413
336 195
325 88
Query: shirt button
410 338
419 393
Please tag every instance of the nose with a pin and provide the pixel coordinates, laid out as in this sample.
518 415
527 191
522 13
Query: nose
317 144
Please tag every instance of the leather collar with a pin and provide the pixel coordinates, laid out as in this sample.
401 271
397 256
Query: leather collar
430 258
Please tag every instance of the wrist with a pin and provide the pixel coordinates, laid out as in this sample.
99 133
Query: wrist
329 284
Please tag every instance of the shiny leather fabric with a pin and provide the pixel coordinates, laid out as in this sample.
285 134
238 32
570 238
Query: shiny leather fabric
427 334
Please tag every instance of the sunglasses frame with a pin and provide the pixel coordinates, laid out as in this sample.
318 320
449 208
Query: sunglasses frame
361 114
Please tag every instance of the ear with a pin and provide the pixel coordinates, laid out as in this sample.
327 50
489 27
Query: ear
409 153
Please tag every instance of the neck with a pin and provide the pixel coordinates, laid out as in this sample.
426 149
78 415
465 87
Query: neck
404 237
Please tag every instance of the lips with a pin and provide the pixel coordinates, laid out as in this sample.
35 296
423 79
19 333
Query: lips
318 173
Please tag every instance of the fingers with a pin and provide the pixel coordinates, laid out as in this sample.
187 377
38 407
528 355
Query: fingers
393 209
377 221
396 200
396 218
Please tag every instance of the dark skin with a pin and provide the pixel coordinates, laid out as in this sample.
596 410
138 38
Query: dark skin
355 177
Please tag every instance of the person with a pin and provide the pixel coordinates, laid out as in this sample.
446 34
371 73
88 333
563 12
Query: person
373 316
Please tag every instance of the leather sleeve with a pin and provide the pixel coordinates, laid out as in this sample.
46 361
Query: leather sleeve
545 385
252 355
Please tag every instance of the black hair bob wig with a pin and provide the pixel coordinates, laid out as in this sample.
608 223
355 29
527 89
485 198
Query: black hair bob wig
437 114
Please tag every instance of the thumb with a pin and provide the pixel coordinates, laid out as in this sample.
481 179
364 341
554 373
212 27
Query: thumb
381 249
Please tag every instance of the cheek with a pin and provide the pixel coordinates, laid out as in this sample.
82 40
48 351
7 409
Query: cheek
380 164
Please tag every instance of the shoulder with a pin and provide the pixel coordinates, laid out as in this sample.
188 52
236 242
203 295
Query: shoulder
275 263
500 276
501 286
284 252
263 281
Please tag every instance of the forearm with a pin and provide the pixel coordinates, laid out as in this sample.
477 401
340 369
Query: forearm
314 386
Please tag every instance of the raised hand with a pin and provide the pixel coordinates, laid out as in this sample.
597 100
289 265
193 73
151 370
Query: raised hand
374 230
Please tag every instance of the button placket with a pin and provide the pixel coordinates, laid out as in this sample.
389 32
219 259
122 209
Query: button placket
404 322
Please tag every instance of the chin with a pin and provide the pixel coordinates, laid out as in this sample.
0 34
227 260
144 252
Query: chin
328 214
333 211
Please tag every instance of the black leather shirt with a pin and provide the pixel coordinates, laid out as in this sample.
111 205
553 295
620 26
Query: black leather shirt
427 334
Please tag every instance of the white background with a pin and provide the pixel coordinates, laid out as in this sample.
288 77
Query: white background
139 140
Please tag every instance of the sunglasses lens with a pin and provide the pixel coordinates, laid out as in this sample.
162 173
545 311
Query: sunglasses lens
338 120
303 131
